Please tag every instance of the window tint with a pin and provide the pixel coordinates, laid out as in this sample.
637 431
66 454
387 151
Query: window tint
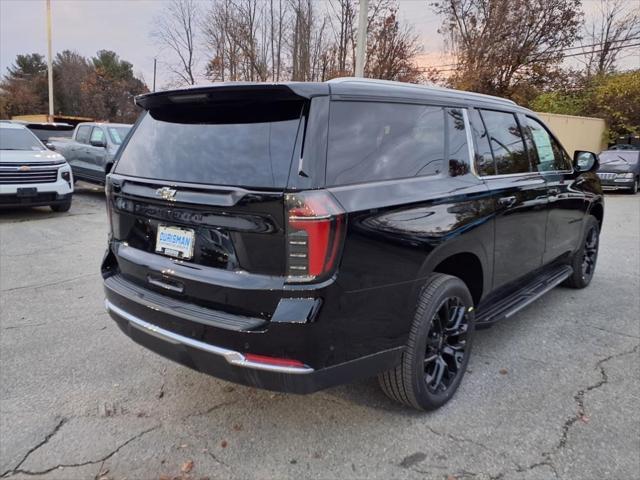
229 144
83 134
547 154
485 164
383 141
97 135
506 142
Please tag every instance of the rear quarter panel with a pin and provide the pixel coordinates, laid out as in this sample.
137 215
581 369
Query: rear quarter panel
397 233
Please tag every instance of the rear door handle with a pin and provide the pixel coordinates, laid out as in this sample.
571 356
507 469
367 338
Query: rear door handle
507 201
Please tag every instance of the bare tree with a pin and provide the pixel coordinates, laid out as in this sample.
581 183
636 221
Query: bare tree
303 40
175 30
392 48
245 38
342 22
500 44
615 27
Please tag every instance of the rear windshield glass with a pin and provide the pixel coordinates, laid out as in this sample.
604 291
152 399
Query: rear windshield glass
45 134
241 144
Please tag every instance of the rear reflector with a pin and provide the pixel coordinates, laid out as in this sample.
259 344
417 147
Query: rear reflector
315 230
280 362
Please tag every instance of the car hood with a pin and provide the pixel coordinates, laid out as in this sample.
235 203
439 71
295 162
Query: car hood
618 161
29 156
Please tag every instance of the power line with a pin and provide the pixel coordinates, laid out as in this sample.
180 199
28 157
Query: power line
578 54
571 48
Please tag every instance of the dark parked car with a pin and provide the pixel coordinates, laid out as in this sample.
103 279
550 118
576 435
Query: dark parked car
301 235
620 170
46 131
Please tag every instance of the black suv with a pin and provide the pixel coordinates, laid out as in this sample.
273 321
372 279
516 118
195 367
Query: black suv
296 236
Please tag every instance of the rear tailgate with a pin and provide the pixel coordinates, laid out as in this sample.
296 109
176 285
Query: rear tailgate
210 176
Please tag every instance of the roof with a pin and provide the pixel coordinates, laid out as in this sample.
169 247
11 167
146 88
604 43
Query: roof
373 87
12 126
107 124
348 86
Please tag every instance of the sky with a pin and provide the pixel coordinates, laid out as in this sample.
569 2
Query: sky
124 26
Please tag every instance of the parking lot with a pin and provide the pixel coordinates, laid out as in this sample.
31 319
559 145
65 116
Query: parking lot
553 393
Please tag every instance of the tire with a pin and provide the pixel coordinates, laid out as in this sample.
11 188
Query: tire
633 190
584 260
414 381
61 207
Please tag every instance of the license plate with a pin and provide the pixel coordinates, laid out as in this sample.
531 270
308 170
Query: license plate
175 241
27 192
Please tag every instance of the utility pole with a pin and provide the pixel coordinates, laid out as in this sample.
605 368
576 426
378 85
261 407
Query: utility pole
154 73
49 61
361 47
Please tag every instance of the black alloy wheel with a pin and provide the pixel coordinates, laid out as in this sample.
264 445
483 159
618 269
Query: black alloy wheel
437 351
583 261
446 344
590 253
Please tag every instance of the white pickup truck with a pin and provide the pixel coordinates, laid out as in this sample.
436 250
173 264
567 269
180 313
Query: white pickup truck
31 175
91 149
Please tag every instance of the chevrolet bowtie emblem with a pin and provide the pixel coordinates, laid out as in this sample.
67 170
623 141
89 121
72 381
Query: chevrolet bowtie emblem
166 193
24 168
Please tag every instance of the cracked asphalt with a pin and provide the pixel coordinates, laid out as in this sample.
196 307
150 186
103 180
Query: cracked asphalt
552 393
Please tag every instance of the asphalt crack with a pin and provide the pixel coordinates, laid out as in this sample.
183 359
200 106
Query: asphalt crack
579 396
457 439
581 413
74 465
50 284
210 409
46 439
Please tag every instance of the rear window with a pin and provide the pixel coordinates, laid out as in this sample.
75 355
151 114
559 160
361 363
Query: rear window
83 134
117 134
240 144
371 141
45 134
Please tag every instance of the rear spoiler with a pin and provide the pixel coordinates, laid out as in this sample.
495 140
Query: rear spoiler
229 92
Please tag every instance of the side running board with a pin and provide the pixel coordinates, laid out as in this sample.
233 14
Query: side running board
513 303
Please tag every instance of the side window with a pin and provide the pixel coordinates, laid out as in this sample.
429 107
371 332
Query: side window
83 134
548 155
507 144
97 135
485 165
371 141
457 149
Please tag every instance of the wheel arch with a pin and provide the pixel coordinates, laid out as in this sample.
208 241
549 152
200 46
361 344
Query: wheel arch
469 262
597 210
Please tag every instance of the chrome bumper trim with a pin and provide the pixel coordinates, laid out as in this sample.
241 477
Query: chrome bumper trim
231 356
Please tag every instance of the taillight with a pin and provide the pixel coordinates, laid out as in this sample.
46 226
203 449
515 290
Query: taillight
315 229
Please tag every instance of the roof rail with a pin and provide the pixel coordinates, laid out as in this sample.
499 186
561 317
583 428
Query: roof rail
374 81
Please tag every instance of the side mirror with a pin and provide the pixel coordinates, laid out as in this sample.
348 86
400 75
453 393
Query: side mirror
50 146
585 161
98 143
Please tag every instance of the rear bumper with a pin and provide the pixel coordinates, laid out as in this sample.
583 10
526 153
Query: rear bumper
233 366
